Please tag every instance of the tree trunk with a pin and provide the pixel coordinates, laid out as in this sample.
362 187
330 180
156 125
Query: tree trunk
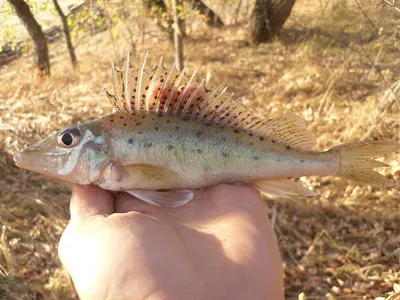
36 34
158 7
267 19
178 34
67 34
211 17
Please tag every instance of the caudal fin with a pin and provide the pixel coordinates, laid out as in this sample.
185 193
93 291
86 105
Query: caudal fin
356 161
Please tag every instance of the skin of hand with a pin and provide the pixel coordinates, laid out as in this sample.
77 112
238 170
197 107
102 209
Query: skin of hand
218 246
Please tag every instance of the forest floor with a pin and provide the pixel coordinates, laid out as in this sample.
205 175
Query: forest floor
332 66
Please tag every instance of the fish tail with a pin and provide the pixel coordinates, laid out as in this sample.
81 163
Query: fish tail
357 161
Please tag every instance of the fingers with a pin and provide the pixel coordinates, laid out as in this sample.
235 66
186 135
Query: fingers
87 201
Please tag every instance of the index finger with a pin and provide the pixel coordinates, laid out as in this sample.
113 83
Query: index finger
88 201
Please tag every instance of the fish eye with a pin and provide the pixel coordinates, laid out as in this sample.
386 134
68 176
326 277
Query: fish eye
69 137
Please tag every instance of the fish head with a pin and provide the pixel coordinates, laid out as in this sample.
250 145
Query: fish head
77 154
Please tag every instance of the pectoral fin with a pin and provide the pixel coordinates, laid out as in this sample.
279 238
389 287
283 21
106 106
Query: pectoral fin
152 177
282 188
173 198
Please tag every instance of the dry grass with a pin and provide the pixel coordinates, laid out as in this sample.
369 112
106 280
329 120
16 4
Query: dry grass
343 245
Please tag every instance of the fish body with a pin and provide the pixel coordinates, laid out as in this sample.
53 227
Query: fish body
200 154
170 135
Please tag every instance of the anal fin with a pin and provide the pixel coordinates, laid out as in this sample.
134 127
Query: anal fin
172 198
284 188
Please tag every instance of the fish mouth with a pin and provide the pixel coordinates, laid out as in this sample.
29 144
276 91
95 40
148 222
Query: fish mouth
28 160
19 160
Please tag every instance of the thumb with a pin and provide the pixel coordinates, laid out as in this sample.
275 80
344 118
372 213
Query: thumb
88 201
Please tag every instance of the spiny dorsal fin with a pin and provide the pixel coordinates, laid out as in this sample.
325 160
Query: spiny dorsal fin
168 91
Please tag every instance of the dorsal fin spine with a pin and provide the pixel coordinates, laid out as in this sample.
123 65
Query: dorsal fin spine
138 98
194 93
212 103
203 103
152 85
127 91
180 98
215 115
174 88
114 81
162 87
231 111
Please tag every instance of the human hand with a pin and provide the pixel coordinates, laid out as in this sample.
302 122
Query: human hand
219 246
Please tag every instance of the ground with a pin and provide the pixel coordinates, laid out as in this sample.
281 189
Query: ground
333 66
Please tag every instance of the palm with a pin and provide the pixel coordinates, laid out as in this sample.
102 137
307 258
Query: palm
208 249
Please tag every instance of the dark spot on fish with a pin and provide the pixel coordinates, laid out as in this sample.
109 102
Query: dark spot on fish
256 157
250 134
301 160
151 77
144 116
111 120
261 138
134 90
148 145
224 154
236 131
288 147
121 117
168 121
124 124
138 123
170 147
136 78
156 128
273 141
130 141
146 88
153 119
199 151
199 133
140 132
143 96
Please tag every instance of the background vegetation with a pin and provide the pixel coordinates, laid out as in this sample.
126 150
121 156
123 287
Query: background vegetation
335 63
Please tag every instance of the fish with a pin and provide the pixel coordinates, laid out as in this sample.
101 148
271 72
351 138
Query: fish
169 135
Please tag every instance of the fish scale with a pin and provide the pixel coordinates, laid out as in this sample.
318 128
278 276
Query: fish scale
171 135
